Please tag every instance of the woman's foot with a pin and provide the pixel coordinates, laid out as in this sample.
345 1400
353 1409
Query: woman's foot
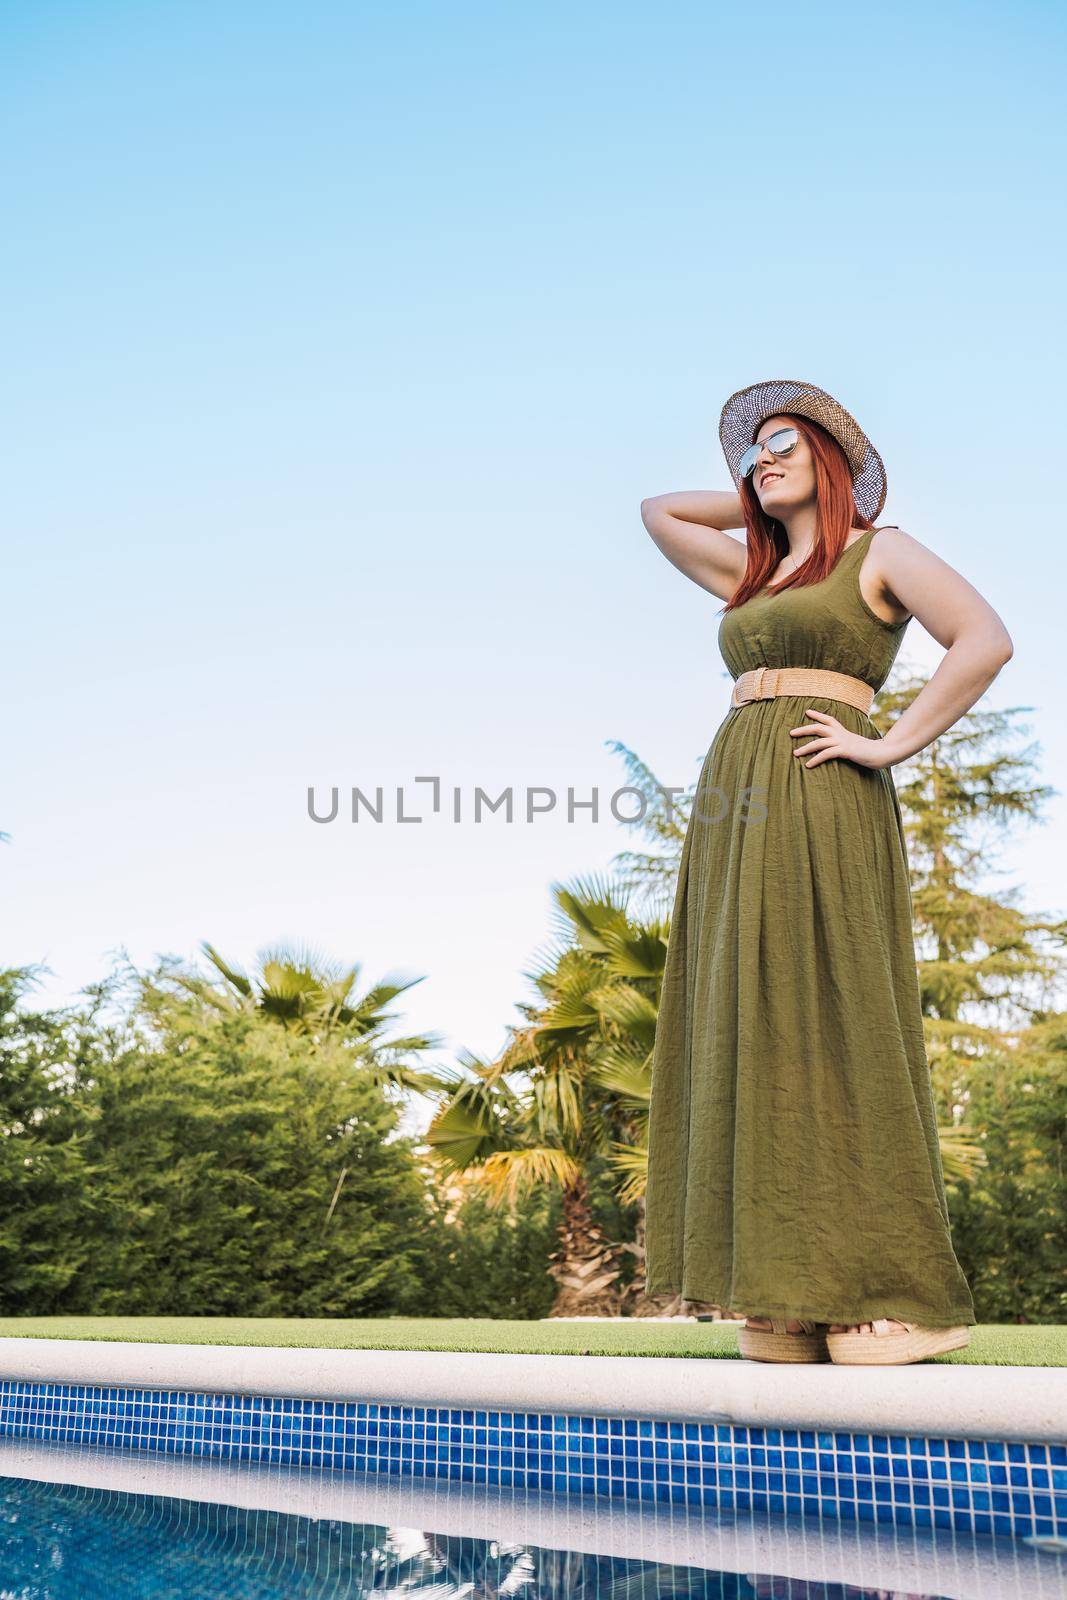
865 1327
782 1339
888 1341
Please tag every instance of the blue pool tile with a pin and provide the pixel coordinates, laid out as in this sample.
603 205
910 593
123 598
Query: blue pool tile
1005 1488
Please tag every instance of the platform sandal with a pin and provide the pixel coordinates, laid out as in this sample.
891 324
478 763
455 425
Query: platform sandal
889 1347
778 1344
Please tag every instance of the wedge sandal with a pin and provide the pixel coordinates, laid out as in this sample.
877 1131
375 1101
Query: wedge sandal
889 1347
777 1344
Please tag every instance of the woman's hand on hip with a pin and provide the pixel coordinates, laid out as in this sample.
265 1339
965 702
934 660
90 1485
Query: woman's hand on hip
833 740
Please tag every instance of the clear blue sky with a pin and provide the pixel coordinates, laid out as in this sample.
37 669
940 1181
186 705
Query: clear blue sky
341 344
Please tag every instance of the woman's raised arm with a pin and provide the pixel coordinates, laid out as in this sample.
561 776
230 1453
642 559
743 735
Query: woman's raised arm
688 527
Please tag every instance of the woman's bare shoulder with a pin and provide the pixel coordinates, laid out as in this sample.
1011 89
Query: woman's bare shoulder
876 575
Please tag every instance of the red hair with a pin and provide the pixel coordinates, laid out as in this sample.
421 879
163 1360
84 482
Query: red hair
835 513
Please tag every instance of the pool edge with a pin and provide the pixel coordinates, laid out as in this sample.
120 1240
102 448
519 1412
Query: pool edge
959 1401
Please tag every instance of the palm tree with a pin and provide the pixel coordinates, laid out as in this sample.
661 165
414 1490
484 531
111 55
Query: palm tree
309 994
651 875
561 1096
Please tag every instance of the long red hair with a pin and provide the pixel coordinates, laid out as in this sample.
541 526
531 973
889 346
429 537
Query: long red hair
835 512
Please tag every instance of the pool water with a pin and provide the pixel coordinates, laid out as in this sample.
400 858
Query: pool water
67 1542
62 1541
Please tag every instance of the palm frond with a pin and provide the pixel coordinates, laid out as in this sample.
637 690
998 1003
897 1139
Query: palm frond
626 1009
961 1155
625 1073
233 975
401 1075
508 1174
630 1163
638 950
477 1119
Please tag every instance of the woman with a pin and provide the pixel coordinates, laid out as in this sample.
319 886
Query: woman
794 1168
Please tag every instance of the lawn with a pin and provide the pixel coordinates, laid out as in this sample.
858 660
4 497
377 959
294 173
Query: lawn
992 1344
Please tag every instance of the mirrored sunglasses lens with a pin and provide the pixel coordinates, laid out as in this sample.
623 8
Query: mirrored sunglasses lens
783 441
749 459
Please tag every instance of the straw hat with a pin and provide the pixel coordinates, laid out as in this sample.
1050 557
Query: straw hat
748 408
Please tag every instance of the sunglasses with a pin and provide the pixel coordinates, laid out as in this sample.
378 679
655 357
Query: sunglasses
780 443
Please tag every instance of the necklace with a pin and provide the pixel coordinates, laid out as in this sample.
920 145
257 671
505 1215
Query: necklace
791 557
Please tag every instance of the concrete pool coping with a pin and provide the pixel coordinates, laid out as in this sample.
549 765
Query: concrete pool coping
931 1399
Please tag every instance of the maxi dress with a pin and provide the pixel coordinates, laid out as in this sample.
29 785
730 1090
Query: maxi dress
794 1168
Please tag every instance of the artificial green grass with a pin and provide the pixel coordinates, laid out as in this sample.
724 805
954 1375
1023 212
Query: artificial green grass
992 1344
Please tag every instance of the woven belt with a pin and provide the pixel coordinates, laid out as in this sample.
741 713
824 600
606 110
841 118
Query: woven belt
764 683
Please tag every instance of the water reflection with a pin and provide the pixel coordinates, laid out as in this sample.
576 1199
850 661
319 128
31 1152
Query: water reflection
804 1589
68 1542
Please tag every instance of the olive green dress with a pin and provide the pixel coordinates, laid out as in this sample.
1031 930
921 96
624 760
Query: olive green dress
794 1167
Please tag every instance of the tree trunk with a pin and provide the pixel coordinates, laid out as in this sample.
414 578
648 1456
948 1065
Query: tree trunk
585 1265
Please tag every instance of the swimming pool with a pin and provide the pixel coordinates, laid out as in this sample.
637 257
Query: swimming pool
965 1448
937 1459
